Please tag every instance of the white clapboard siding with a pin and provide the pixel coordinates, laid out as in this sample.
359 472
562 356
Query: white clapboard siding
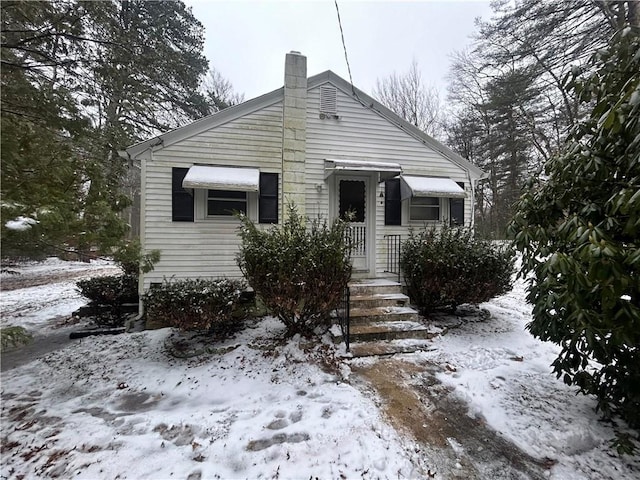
361 133
208 247
205 248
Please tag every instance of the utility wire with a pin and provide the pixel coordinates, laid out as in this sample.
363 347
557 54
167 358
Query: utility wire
346 57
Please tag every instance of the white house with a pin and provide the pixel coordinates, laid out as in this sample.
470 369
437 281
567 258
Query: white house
318 142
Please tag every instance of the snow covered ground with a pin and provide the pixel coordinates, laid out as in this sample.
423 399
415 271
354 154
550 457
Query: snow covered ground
48 292
123 407
504 375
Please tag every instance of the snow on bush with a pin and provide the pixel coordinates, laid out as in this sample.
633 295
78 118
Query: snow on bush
197 305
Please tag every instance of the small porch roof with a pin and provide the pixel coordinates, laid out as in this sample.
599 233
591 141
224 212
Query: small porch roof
385 170
429 187
222 178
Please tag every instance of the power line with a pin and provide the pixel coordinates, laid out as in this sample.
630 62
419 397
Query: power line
344 46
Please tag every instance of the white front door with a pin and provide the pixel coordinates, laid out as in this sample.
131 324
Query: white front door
353 196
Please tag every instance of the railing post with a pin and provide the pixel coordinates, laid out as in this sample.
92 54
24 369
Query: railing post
347 337
344 316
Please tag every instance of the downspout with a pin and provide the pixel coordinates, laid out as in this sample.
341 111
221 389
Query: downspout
130 324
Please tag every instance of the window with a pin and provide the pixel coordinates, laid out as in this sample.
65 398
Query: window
425 208
181 199
352 199
268 200
226 202
392 202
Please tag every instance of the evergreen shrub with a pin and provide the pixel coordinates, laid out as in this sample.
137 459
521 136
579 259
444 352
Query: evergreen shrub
13 336
578 228
114 291
194 304
448 267
110 290
132 261
299 269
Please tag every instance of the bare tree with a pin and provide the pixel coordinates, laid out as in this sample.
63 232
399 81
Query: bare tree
409 97
219 92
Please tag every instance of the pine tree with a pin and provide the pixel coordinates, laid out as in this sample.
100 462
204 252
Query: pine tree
81 81
42 167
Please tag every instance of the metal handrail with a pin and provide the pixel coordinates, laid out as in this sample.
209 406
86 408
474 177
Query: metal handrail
344 316
393 254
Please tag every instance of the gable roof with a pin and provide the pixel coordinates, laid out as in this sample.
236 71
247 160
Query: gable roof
205 123
276 96
372 104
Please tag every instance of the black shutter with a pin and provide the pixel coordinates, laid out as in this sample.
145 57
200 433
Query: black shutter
392 202
268 201
181 199
456 209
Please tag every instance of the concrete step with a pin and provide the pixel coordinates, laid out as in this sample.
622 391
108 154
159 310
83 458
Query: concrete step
373 286
390 347
359 316
379 300
367 332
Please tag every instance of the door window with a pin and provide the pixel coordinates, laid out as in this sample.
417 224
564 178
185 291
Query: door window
352 199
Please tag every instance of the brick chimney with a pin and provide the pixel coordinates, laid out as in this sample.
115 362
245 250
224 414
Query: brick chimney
294 131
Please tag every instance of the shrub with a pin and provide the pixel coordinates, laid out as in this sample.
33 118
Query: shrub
299 273
111 290
13 337
449 267
130 258
114 291
579 234
194 305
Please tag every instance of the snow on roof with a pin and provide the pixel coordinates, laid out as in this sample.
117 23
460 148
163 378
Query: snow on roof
430 187
21 223
222 178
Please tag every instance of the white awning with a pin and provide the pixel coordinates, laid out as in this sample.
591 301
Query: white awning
222 178
385 170
429 187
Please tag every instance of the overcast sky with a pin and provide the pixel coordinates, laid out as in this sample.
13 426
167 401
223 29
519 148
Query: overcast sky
247 41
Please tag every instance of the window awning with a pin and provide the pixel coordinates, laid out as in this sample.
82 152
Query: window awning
222 178
429 187
385 170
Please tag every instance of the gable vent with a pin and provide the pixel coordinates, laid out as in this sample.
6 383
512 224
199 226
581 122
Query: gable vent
328 102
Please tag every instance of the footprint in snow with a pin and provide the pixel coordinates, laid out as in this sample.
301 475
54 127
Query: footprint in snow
281 422
278 438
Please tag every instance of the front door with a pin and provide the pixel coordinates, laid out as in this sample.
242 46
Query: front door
353 205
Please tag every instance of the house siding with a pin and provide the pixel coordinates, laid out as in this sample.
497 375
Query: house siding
205 248
361 133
